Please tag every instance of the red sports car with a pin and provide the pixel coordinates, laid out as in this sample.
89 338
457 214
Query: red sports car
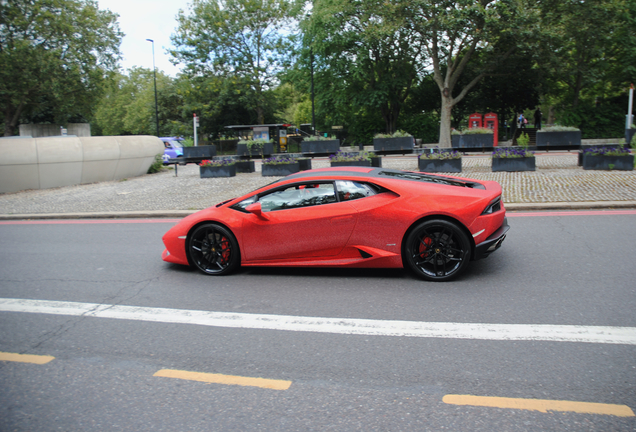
347 217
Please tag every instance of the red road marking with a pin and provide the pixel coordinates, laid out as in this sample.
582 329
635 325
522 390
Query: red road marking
88 221
571 213
139 221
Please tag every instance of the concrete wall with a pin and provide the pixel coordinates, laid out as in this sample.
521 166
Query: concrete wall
46 130
41 163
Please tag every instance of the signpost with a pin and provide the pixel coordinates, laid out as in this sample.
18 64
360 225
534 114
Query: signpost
196 124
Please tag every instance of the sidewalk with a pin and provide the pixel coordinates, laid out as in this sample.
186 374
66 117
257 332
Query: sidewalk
558 184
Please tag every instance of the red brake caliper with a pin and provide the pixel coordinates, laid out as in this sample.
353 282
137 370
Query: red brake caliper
424 247
225 245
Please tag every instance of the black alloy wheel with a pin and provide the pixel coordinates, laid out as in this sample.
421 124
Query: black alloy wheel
213 249
437 250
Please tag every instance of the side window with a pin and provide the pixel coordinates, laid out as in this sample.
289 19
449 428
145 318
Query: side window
296 196
350 190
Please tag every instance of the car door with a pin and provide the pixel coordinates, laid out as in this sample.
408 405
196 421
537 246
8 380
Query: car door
300 221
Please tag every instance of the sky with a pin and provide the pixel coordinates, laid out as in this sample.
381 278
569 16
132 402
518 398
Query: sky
146 19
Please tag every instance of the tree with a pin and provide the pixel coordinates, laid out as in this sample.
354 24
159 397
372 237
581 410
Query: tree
453 32
54 56
579 48
368 53
242 39
127 106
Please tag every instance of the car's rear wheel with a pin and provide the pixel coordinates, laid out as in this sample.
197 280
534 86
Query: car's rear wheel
213 249
437 250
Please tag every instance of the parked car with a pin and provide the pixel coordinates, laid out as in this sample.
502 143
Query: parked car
173 148
347 217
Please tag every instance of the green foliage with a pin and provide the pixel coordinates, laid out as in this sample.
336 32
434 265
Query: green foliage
582 47
396 134
602 120
157 165
477 131
245 40
318 138
559 128
523 140
366 55
55 55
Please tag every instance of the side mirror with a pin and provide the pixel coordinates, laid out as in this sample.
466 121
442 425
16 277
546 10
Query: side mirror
256 209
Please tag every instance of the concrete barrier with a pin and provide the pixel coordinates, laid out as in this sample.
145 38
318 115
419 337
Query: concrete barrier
42 163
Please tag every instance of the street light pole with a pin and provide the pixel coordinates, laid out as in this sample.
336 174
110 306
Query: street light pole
154 71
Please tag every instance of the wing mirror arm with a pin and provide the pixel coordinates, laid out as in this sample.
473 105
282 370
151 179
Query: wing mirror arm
257 210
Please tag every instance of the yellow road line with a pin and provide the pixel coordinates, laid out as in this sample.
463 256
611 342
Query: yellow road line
224 379
541 405
25 358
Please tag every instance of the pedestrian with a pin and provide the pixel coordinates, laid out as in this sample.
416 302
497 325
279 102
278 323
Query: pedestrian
537 118
522 121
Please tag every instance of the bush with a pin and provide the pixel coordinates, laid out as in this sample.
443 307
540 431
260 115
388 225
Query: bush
157 165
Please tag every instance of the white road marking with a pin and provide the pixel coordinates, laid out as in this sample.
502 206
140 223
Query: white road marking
503 332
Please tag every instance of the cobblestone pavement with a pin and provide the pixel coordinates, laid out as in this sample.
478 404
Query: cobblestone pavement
558 179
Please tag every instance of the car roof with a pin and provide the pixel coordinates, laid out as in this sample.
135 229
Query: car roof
384 174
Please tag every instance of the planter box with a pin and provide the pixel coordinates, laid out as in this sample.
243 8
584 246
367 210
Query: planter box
473 141
365 163
217 171
393 144
245 166
208 152
561 140
514 164
279 170
440 165
268 150
376 162
322 147
304 164
620 163
599 146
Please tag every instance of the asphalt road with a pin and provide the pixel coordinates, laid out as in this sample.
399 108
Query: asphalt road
563 270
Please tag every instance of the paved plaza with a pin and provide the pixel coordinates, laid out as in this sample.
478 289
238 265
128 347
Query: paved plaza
558 183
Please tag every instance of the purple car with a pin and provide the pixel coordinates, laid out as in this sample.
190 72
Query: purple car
174 148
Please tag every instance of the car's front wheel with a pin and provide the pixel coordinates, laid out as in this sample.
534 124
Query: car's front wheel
213 249
437 250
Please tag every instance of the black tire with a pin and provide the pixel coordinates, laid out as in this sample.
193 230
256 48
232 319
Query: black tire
213 249
437 250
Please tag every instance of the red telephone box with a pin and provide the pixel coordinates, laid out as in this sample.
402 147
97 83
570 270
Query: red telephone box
491 121
474 121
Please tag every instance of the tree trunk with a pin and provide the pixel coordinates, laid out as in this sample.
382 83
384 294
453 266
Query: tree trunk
445 122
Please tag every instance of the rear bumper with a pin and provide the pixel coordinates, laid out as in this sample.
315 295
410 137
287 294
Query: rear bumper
492 243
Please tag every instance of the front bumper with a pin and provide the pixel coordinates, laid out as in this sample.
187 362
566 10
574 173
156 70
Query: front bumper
492 243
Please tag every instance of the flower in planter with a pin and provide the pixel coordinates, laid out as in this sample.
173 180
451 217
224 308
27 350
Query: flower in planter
511 152
280 160
342 156
606 151
435 153
217 162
